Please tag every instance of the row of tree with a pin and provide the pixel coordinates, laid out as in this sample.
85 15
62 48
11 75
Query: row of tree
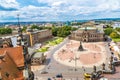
57 31
113 33
62 31
5 31
118 29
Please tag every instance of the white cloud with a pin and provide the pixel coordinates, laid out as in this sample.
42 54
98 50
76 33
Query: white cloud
31 13
62 9
9 3
89 6
92 8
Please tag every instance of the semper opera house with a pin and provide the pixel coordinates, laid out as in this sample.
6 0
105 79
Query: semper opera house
87 33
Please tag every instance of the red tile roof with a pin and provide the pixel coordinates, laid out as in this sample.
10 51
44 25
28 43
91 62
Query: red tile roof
16 53
9 70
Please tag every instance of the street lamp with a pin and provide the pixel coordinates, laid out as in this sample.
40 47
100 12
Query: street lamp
75 62
76 58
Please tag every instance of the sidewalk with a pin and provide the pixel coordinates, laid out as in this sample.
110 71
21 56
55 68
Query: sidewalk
37 67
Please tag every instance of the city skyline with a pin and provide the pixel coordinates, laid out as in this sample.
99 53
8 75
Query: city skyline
57 10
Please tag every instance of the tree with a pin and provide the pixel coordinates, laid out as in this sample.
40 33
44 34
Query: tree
114 35
5 30
24 28
54 31
8 30
62 31
73 28
47 28
118 29
108 31
34 27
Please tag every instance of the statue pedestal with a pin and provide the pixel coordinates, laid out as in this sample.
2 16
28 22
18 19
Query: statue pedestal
80 47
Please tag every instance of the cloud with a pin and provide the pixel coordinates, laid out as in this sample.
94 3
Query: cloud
46 10
8 5
83 6
83 9
7 9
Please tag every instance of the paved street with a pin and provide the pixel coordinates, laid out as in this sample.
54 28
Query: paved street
53 67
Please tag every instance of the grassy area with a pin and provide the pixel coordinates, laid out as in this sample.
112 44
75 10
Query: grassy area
116 39
50 43
43 49
55 42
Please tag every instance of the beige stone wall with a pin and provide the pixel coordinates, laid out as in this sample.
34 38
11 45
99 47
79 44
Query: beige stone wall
40 36
87 36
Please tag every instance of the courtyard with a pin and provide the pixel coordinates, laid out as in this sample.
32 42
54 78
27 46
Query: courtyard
94 54
67 60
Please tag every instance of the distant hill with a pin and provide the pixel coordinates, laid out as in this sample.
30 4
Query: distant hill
27 23
102 19
109 19
21 23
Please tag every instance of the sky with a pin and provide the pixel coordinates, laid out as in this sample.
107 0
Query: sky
58 10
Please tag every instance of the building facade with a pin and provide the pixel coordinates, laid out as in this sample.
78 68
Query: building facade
87 34
40 36
38 58
116 25
31 37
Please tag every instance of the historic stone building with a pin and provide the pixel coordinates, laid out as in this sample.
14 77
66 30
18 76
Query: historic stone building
38 58
31 37
87 34
15 62
11 62
39 36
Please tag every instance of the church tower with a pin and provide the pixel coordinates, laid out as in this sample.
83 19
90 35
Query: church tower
21 41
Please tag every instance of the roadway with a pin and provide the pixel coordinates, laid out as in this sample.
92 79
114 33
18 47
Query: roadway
53 67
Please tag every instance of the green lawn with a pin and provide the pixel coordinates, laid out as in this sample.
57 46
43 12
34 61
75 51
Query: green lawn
50 43
55 42
116 39
43 49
